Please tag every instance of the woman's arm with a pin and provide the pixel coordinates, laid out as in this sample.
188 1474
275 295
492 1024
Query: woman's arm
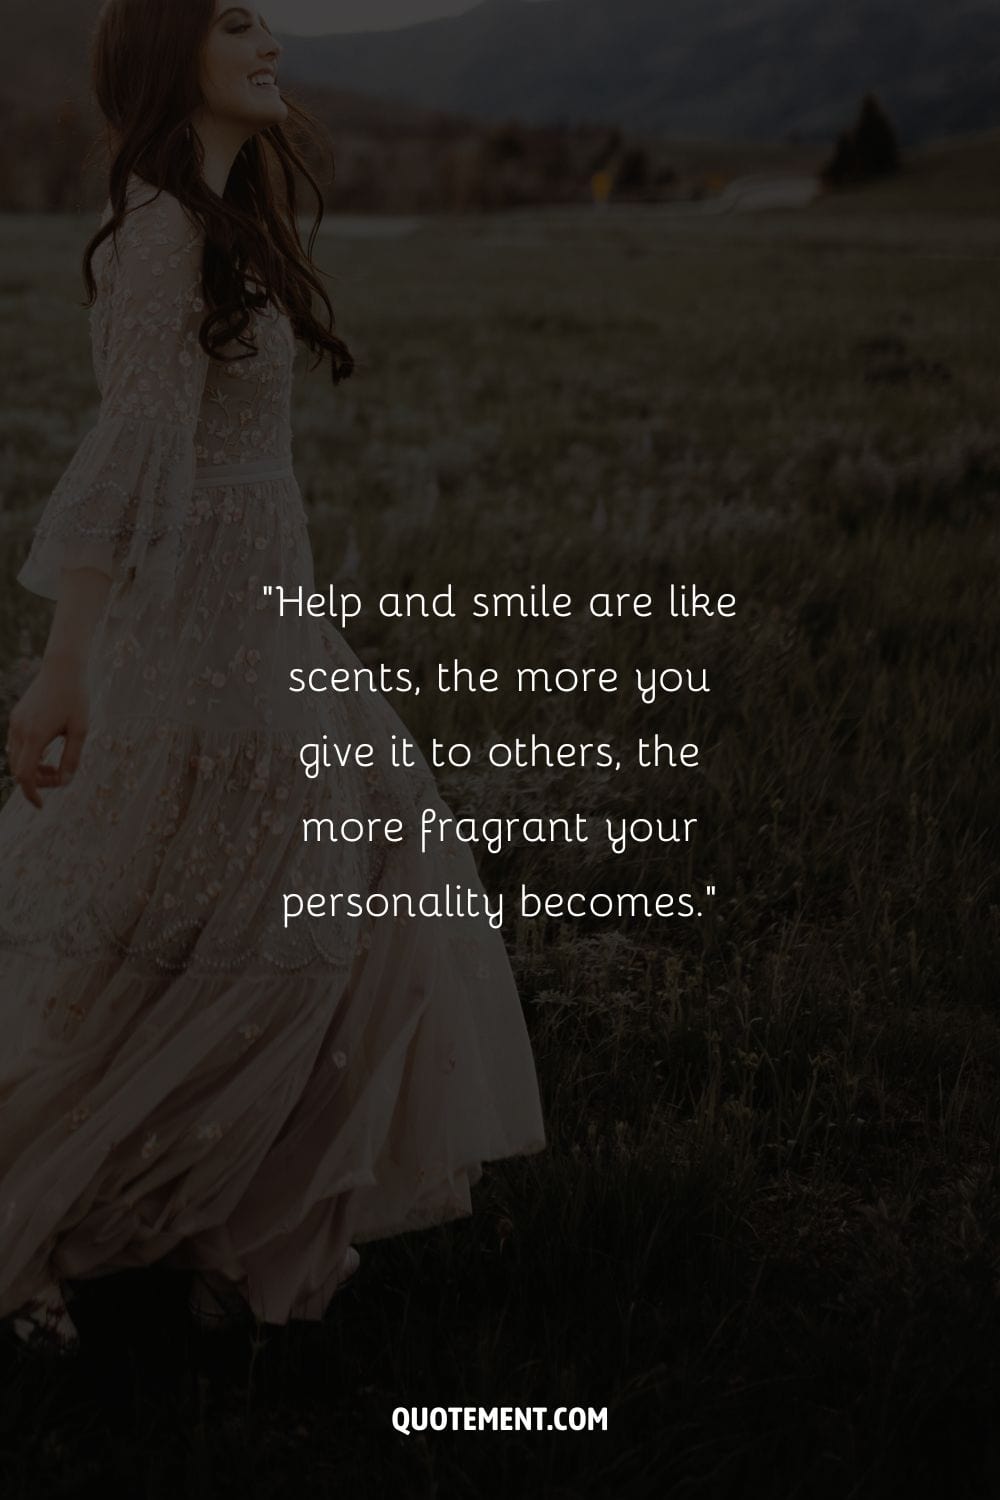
57 701
120 505
113 522
83 597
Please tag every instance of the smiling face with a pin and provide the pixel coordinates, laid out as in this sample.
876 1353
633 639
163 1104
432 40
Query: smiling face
238 67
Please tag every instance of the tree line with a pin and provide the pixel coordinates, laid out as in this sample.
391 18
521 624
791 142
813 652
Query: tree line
51 160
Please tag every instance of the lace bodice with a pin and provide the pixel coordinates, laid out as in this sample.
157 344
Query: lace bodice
170 415
147 356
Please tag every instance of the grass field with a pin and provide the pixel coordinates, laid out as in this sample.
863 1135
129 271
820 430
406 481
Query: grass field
766 1231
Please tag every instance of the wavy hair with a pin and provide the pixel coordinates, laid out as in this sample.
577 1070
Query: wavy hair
144 73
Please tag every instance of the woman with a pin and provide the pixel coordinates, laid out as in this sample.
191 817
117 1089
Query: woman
188 1077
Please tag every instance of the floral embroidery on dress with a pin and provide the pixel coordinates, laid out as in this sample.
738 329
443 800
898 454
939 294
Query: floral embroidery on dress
128 503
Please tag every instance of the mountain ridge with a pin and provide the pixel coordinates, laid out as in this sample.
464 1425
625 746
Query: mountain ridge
746 69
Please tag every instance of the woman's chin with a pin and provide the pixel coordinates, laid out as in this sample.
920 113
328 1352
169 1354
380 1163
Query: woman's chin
268 110
273 104
262 118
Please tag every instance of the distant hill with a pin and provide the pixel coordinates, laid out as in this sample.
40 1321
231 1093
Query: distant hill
45 49
729 69
726 69
675 97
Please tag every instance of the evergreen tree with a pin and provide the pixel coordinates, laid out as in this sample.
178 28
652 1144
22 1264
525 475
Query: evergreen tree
867 151
875 140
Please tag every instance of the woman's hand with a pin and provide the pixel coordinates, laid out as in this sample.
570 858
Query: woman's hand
56 703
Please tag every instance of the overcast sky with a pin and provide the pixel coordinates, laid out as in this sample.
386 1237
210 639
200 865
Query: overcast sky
310 17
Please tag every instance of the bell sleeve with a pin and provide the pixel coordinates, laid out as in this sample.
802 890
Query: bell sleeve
121 504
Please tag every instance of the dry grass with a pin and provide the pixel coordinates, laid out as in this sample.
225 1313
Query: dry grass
765 1230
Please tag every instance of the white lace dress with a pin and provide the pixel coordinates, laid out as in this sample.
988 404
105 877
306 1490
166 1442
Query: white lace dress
183 1078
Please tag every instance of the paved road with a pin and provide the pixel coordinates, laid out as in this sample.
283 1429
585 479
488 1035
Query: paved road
742 195
745 194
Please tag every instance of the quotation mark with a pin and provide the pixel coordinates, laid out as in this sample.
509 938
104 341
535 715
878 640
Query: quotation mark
710 890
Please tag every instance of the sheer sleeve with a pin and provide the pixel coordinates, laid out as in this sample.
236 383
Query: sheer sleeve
120 505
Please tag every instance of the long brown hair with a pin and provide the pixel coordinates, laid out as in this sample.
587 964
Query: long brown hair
144 69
